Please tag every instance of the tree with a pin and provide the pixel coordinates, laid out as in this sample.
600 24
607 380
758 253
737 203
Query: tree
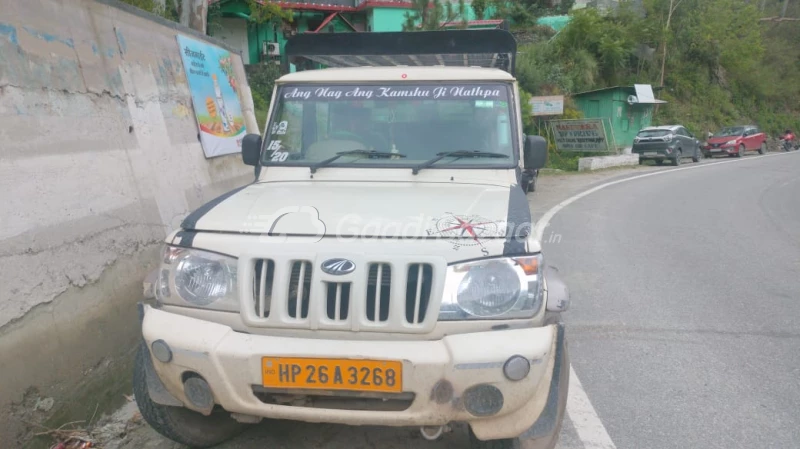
194 14
673 5
479 8
263 12
427 15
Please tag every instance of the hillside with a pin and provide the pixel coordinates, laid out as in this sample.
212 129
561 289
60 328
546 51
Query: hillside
726 61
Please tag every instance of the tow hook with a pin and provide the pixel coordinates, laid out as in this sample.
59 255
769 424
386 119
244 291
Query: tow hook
432 433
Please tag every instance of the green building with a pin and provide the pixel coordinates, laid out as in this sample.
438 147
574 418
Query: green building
627 108
229 20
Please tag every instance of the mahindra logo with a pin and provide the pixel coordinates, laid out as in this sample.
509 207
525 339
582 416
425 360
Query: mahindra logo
338 267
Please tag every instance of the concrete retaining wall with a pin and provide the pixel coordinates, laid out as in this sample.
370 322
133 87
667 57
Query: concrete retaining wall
99 159
600 162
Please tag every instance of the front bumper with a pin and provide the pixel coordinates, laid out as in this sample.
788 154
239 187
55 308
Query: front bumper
711 151
231 364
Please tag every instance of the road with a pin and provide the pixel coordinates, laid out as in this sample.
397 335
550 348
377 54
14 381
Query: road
685 323
685 319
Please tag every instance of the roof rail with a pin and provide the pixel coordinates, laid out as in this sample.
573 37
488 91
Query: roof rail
494 48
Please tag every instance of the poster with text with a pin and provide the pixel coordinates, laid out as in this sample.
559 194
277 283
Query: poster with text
209 71
580 135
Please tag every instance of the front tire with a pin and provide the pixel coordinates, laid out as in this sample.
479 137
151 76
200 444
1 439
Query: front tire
742 149
180 424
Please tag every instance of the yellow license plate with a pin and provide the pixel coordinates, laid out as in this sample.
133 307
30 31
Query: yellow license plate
384 376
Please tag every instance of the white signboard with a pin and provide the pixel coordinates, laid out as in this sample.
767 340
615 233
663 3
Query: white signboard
553 105
580 135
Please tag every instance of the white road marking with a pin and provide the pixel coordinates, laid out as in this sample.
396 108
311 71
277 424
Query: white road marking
545 220
583 417
581 413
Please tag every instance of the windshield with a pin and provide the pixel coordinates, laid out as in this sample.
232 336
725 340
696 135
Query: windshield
654 133
313 123
732 131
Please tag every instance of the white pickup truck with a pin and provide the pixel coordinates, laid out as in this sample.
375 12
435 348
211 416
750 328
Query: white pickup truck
381 269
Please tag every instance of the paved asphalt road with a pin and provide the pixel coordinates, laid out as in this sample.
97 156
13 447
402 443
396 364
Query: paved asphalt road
685 322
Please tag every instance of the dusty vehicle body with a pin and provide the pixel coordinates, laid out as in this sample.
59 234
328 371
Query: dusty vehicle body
396 285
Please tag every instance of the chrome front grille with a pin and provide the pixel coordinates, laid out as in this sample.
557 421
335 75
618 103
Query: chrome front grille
376 297
337 300
418 292
264 275
379 286
299 289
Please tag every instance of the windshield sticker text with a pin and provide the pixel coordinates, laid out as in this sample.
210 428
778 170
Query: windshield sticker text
390 92
279 129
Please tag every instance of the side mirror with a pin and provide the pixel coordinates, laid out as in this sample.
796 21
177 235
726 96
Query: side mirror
534 152
251 149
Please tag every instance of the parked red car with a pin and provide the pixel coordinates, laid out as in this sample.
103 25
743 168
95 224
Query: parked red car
736 141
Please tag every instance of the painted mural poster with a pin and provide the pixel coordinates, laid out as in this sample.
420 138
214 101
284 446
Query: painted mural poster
209 71
580 135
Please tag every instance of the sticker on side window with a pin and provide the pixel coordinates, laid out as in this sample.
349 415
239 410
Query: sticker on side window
279 129
279 156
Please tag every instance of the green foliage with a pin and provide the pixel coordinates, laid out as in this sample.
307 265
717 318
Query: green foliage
263 12
166 11
479 8
261 78
723 64
428 15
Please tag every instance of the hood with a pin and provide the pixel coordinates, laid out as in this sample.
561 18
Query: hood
368 209
722 139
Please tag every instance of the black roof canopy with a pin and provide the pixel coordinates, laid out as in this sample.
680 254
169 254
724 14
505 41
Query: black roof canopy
495 48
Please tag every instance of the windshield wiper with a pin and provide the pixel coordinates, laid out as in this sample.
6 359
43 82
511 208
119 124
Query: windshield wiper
456 154
368 153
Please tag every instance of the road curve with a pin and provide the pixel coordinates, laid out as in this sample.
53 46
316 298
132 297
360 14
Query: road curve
685 322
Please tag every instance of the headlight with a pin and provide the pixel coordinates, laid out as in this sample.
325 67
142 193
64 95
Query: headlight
195 278
731 142
636 139
668 138
502 288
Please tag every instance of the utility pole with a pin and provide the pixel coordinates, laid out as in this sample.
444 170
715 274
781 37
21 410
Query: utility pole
672 6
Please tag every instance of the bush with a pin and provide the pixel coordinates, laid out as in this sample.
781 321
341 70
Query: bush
261 78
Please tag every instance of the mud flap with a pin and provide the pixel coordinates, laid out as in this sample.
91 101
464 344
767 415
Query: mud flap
548 422
158 392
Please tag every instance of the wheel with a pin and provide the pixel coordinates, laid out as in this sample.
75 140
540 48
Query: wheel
763 148
641 161
696 157
659 161
180 424
742 150
677 160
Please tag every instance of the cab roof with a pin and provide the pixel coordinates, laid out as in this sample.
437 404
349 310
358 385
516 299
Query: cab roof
397 74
